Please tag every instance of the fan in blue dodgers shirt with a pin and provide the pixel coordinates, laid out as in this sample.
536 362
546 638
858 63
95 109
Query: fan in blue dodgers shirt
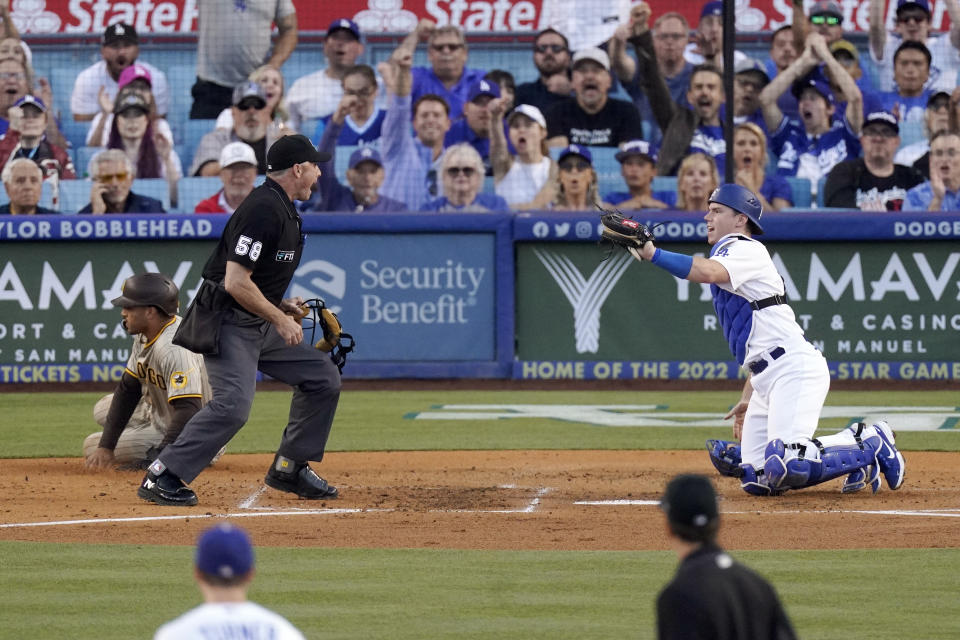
363 123
474 127
448 75
911 69
223 571
813 147
461 171
788 378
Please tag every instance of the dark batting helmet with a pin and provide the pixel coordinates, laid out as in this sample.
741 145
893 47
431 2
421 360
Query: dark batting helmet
741 200
149 290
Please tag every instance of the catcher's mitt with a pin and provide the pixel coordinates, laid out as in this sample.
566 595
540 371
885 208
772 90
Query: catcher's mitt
623 231
333 340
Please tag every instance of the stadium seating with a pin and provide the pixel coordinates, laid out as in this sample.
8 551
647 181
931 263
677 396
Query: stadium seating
74 195
153 188
61 63
190 191
82 156
800 190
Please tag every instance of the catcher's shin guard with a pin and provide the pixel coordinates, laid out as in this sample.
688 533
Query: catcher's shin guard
755 482
804 464
725 456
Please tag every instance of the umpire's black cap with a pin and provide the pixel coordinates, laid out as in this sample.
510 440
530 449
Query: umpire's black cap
690 504
291 150
149 290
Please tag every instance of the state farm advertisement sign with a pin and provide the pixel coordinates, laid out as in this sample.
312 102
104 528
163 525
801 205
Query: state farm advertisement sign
379 16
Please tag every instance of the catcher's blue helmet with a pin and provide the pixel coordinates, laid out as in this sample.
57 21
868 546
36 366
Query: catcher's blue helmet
741 200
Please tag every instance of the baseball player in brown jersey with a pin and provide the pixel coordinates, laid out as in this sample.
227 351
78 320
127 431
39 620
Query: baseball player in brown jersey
163 384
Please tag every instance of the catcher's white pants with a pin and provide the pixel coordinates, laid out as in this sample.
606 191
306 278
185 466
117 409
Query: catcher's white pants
138 436
786 402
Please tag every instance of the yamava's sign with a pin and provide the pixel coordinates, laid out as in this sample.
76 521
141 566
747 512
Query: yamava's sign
35 17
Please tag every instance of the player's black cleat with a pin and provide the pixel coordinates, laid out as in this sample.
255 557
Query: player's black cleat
166 489
297 477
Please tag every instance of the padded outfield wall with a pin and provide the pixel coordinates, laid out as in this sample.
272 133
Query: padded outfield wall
530 296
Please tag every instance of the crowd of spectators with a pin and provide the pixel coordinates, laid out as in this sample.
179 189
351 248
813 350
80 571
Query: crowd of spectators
450 136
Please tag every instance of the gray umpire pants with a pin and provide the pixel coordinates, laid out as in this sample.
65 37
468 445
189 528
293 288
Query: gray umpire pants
249 343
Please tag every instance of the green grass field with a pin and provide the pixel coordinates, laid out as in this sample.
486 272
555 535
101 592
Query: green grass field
126 591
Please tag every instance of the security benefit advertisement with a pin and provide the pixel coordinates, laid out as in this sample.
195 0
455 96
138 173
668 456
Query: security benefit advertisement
406 297
884 310
414 297
56 320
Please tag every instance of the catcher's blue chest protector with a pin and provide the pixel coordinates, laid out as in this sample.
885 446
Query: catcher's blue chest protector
735 315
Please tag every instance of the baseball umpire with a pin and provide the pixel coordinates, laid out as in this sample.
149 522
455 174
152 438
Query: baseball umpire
712 595
788 379
162 387
244 282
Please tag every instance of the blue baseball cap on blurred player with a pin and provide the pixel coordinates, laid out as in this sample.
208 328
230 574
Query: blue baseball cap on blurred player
224 551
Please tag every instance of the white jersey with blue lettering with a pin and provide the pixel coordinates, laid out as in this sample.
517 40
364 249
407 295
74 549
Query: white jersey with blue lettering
228 620
753 276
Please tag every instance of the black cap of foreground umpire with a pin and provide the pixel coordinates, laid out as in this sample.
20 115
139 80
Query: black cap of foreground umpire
690 504
291 150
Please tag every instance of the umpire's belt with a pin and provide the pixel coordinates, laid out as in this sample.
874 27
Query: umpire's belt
759 365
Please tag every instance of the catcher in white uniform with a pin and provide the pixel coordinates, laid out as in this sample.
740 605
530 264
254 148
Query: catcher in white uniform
162 386
788 379
223 571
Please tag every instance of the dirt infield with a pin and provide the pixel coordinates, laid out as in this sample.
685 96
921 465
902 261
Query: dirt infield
584 500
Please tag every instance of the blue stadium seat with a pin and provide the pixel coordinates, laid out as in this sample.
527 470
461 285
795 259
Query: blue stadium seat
153 188
801 192
911 132
191 131
74 195
341 161
82 156
821 183
190 191
664 183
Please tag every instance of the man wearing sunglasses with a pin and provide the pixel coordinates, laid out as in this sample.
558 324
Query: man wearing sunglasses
113 175
912 24
448 75
551 57
251 124
462 172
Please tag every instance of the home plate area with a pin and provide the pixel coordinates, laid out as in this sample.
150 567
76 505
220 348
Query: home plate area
554 500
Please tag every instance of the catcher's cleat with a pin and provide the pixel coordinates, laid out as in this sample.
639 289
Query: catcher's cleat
299 478
889 458
166 489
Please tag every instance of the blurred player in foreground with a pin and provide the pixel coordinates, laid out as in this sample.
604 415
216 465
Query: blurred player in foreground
223 571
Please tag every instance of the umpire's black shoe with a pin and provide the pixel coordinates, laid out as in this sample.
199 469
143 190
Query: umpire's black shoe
166 489
297 477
